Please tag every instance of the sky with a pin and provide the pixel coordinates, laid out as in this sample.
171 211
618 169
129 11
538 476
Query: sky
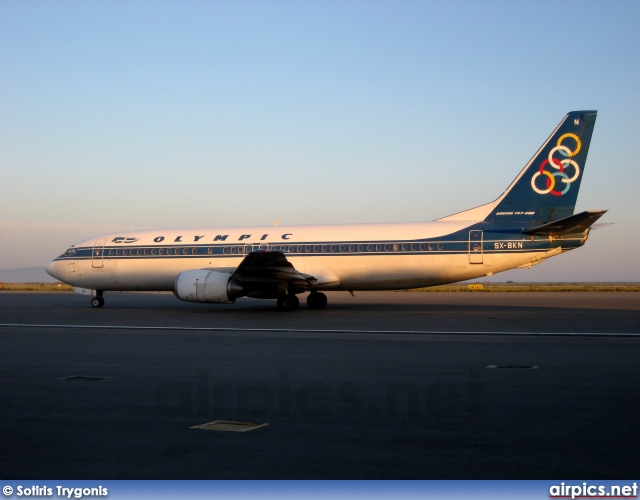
137 114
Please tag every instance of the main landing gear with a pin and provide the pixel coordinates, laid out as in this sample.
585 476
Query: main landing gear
98 300
289 303
316 300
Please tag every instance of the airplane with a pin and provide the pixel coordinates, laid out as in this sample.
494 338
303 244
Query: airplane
530 222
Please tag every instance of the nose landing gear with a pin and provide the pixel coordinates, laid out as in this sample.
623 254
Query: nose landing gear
98 300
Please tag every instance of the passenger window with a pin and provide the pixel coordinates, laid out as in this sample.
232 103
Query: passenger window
160 251
430 246
440 246
351 248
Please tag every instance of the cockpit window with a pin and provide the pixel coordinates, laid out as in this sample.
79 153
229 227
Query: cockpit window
71 252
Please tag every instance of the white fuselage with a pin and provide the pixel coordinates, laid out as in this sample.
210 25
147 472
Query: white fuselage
340 257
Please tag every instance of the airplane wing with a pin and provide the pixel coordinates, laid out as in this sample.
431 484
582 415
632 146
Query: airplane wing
266 267
568 225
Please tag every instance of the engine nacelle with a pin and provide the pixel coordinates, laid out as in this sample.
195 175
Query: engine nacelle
202 285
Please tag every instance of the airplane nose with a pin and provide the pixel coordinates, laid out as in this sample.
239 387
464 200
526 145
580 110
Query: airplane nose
53 270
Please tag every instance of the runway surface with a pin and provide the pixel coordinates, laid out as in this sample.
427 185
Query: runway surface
383 385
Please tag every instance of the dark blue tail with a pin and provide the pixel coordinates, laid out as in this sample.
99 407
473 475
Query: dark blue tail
547 188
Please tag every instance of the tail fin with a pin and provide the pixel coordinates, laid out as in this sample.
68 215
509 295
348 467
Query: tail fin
547 188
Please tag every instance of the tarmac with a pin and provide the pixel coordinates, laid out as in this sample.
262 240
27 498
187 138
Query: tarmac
382 385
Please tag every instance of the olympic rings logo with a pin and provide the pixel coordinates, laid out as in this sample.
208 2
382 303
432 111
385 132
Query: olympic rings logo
560 166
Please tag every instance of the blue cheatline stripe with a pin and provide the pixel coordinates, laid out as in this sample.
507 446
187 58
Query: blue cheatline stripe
306 330
309 249
348 254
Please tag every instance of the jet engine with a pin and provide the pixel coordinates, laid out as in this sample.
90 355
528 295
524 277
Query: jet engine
202 285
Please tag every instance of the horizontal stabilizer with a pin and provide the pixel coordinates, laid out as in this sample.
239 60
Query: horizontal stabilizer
577 223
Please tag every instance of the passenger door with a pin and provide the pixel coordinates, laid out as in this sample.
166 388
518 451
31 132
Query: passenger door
475 247
97 256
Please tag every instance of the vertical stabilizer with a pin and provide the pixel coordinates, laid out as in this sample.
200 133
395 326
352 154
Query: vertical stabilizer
547 188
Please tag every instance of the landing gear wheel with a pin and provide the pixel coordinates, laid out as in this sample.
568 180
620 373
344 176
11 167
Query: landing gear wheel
97 302
288 303
316 300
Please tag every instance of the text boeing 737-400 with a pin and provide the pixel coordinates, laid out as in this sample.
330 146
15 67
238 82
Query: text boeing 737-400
531 221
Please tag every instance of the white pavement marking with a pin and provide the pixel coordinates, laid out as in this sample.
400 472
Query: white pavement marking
307 330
